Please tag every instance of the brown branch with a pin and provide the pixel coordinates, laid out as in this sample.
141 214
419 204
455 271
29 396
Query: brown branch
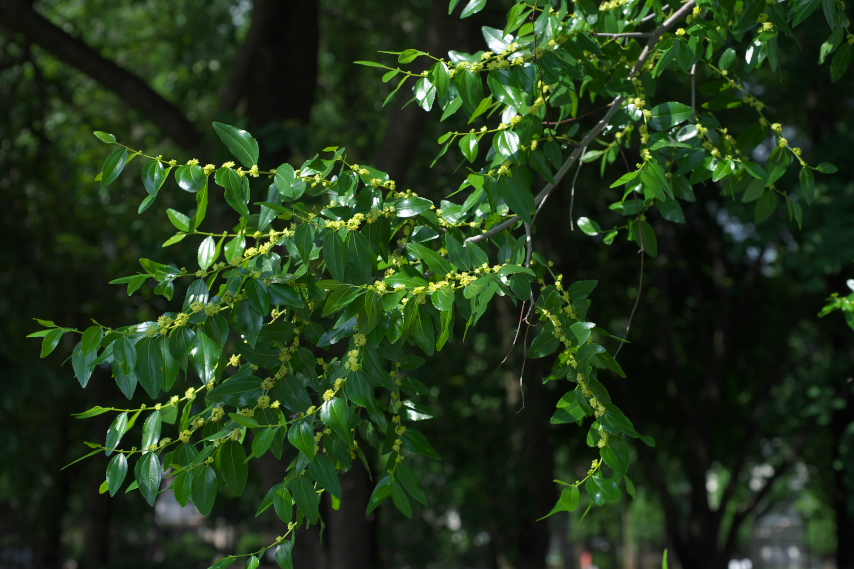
18 16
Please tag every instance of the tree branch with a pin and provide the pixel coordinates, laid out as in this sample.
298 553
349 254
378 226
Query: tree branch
591 135
19 16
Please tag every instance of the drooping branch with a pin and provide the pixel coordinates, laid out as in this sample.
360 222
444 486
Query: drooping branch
20 17
591 135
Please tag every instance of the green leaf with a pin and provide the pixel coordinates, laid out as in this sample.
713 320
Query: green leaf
238 391
655 181
406 476
151 366
236 190
443 298
231 463
588 226
414 441
51 340
668 115
807 185
380 493
113 166
473 7
124 353
516 191
400 499
239 142
105 137
148 476
301 436
616 455
115 433
765 206
602 490
191 178
568 501
207 253
117 470
335 414
434 260
322 469
151 430
287 183
262 441
506 143
283 555
154 173
410 207
252 563
224 562
305 498
205 356
468 145
204 489
827 168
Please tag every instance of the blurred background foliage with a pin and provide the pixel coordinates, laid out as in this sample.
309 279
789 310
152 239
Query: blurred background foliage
747 393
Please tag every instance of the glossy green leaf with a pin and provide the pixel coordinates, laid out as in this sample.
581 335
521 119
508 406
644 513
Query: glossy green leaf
400 500
237 391
616 455
231 463
124 353
51 340
410 207
284 555
117 470
506 143
473 7
204 489
305 498
151 366
380 493
322 469
191 178
468 146
262 441
807 185
148 476
301 436
588 226
223 563
602 490
207 253
765 206
335 414
105 137
151 430
204 356
668 115
414 441
239 142
236 190
113 166
517 194
409 480
154 173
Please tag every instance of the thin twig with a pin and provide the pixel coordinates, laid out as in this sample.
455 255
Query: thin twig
572 195
694 87
598 128
593 112
625 35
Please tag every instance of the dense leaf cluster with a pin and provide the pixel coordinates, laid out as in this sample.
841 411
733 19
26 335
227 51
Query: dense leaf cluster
333 257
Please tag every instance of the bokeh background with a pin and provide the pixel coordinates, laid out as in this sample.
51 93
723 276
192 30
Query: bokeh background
748 394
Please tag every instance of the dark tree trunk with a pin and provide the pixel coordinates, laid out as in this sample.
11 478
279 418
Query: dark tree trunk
352 541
